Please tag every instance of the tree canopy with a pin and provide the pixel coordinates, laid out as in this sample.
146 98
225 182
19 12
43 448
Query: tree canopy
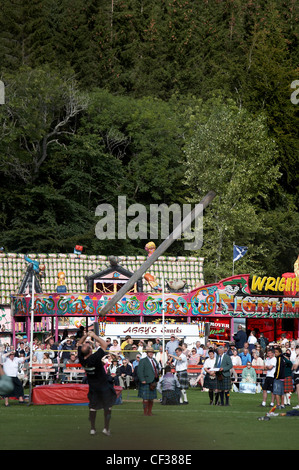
158 101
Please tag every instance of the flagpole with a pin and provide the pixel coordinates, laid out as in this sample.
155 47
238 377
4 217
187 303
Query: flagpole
31 336
233 259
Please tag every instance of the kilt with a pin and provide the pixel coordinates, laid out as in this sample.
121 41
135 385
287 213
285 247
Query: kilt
146 393
209 383
288 385
102 399
183 379
17 391
171 397
224 384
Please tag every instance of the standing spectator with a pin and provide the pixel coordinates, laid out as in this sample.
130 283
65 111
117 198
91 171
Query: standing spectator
185 350
108 344
263 341
236 361
240 338
172 345
288 381
252 340
39 352
223 384
11 369
270 365
115 347
293 352
161 358
181 364
279 376
295 369
124 343
148 374
80 332
210 375
135 371
157 344
66 346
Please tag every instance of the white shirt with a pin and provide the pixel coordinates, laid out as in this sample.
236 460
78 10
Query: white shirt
210 363
270 362
11 367
182 364
236 360
252 339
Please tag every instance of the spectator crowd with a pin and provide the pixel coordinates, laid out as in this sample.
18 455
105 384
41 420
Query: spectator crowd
280 363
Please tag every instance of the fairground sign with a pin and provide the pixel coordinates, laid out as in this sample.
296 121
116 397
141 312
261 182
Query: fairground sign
230 297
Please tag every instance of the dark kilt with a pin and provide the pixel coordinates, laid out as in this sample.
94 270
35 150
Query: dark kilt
209 383
102 399
288 385
18 390
183 379
146 393
171 397
224 384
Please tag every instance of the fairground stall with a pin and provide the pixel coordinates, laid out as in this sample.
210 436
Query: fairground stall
192 311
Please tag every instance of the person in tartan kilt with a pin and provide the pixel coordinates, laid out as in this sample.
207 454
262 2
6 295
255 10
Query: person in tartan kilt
223 380
148 373
181 372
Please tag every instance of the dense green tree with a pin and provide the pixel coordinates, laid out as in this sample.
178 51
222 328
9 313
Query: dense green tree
231 153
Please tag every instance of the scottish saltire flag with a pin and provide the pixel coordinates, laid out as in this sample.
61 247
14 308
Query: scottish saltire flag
239 252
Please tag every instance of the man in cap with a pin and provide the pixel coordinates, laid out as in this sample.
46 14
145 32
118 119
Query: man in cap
148 376
172 345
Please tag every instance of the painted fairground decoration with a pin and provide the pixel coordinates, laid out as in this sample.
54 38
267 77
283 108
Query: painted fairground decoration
233 297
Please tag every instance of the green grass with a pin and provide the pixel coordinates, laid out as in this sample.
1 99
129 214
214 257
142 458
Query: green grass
197 426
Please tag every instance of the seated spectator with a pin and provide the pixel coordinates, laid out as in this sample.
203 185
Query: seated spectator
125 374
169 387
194 358
249 374
112 370
73 371
245 357
235 358
46 360
257 360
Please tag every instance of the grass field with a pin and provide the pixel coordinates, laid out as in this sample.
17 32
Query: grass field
197 426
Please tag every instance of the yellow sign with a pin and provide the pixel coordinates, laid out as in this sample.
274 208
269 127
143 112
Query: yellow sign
281 284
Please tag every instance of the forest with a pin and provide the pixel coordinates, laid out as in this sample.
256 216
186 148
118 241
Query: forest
161 102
